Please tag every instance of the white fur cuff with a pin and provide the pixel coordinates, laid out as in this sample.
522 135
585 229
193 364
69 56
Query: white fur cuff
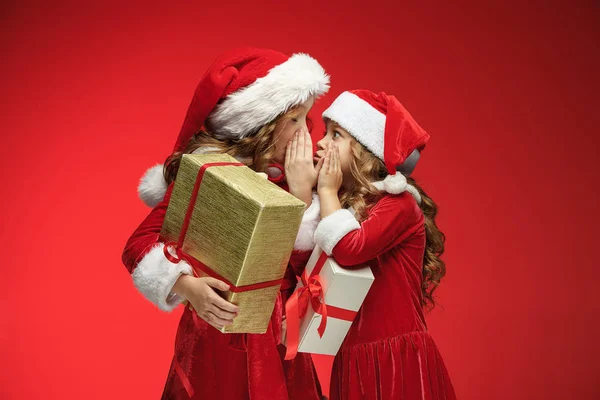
154 277
333 228
305 240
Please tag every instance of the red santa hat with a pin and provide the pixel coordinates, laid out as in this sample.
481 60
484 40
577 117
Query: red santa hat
381 124
242 91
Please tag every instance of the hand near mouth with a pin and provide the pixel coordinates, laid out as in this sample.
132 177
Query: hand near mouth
300 171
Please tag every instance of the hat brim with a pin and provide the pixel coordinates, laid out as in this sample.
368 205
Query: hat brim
286 85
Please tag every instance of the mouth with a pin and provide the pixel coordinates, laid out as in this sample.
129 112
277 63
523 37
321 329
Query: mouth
316 158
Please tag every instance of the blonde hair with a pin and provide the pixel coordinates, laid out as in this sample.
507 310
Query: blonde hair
365 168
256 151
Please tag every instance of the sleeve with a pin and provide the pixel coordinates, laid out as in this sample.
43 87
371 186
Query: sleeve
305 240
391 220
153 274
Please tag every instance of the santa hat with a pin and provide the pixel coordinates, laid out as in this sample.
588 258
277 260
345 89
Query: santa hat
381 124
242 91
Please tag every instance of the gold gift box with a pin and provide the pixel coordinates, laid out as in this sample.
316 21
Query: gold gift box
242 227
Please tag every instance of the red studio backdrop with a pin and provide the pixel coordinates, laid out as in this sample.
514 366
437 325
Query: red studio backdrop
92 95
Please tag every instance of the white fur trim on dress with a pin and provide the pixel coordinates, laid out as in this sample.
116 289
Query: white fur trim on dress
154 276
364 122
286 85
396 184
333 228
305 240
152 187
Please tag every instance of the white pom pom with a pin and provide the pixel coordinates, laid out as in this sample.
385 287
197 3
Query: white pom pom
152 187
396 184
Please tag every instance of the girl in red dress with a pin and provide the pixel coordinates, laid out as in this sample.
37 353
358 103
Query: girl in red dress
384 220
250 104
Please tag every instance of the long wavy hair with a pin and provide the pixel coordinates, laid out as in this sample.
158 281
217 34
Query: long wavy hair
365 168
256 151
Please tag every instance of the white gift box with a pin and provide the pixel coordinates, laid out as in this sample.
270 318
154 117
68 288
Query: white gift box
342 288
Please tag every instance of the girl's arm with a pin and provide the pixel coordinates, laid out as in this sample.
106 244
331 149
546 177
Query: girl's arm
167 284
301 177
153 275
392 219
339 234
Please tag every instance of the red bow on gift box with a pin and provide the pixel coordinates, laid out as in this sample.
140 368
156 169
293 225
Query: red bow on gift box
297 307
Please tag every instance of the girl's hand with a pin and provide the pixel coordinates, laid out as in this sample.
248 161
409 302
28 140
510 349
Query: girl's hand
284 332
330 174
206 302
301 174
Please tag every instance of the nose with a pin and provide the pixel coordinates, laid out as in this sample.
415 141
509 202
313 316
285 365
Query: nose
322 144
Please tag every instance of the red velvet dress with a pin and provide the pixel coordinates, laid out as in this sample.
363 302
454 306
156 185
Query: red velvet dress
219 366
388 353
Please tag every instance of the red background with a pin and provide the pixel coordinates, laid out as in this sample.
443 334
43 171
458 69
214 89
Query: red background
93 95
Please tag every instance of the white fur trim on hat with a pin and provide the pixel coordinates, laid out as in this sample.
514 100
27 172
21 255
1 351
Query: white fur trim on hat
152 187
364 122
154 276
396 184
333 228
305 240
286 85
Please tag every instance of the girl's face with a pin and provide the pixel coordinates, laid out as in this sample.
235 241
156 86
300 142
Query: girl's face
294 121
342 139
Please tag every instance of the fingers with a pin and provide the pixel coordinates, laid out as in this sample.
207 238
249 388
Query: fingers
223 304
336 154
319 166
332 160
294 147
327 161
288 153
212 317
216 317
217 284
308 146
334 163
283 332
301 146
217 300
222 313
209 319
217 327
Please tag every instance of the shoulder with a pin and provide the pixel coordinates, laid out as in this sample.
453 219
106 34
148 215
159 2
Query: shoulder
401 205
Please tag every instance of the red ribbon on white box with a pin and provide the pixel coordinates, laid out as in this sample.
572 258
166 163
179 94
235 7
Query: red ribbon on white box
297 307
